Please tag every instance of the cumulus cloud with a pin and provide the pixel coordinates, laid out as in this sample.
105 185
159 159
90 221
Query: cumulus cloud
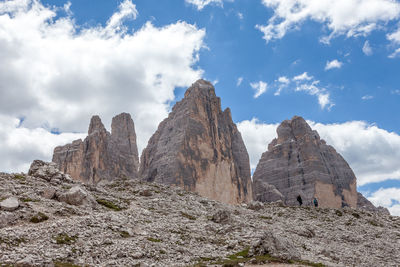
259 88
57 74
334 64
256 136
20 145
387 197
367 49
340 17
373 153
200 4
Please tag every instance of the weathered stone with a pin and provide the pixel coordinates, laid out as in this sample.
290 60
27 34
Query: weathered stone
44 170
221 216
76 196
275 245
49 192
101 155
301 165
199 148
9 204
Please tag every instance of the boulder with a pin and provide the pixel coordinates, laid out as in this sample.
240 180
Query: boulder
9 204
77 196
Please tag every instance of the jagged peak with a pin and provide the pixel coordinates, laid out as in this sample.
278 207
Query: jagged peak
122 124
293 129
201 86
96 125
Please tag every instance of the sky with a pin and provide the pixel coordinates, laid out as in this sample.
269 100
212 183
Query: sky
334 62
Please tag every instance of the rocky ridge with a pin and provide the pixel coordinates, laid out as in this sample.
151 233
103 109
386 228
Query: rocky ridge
133 223
101 156
301 165
199 148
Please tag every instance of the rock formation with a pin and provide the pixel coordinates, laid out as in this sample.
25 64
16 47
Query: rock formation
299 164
199 148
101 155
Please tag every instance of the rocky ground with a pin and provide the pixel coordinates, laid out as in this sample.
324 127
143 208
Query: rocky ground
46 219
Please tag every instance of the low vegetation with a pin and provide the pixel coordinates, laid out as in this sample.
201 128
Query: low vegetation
65 239
38 218
109 204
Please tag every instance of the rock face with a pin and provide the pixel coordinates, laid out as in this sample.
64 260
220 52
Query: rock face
199 148
101 155
9 204
299 163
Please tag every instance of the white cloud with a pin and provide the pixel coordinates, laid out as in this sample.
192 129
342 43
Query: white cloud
200 4
260 88
367 49
58 74
340 17
367 97
239 81
373 153
395 92
240 15
256 136
334 64
387 197
283 82
20 145
303 77
394 37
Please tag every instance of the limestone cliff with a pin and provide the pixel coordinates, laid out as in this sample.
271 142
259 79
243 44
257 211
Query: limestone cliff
101 155
299 163
199 148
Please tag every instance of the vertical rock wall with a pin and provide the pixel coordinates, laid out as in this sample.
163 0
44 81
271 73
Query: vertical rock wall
199 148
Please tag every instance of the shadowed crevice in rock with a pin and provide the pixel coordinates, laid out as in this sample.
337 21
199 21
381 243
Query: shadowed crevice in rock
101 156
199 148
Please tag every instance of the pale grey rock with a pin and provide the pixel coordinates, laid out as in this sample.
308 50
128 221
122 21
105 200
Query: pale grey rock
275 245
221 216
199 148
300 164
77 196
101 156
9 204
49 192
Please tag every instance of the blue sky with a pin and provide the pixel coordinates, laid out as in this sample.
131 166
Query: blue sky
336 63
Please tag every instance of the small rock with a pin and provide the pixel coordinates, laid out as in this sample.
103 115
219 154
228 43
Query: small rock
221 216
49 193
255 205
9 204
146 193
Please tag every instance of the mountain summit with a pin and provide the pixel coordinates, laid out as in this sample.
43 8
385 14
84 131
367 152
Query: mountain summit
199 148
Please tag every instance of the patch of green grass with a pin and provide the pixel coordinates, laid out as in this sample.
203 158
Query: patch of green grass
124 234
108 204
374 223
38 218
65 264
188 216
65 239
28 200
154 240
356 215
19 177
243 254
266 217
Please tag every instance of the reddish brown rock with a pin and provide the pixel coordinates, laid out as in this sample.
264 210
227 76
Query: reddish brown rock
199 148
101 155
299 163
